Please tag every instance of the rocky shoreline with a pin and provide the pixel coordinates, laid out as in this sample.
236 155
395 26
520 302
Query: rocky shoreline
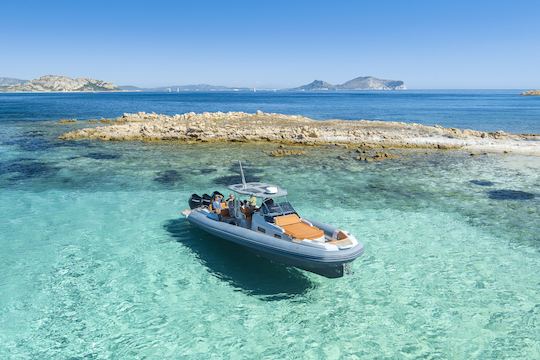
296 129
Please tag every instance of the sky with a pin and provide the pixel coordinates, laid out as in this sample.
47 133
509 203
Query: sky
428 44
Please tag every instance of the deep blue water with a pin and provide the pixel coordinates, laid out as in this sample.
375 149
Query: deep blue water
477 109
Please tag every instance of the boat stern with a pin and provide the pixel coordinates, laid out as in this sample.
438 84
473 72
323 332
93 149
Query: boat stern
186 212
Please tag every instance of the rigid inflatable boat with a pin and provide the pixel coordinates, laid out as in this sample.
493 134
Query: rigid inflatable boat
271 227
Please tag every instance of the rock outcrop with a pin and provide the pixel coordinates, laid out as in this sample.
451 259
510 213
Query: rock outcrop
531 93
296 129
50 83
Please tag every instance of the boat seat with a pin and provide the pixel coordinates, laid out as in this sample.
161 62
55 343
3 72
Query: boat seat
287 220
293 226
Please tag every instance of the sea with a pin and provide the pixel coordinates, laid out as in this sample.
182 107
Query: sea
97 262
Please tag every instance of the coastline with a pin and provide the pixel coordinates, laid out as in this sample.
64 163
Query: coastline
68 92
300 130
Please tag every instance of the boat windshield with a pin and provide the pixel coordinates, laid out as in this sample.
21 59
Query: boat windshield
277 206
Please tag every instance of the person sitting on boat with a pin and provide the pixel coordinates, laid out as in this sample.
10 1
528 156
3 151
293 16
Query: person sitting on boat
216 204
246 207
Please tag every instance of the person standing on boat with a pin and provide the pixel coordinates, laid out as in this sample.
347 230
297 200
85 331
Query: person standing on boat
252 201
230 203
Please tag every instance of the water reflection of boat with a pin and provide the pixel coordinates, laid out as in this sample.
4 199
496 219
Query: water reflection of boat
271 227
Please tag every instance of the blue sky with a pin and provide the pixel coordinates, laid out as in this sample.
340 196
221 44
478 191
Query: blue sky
428 44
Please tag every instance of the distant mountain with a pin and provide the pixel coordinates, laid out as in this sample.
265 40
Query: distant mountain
61 83
49 83
130 88
359 83
315 86
177 88
372 83
6 81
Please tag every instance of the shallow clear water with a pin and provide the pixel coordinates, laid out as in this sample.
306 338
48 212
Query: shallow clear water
96 262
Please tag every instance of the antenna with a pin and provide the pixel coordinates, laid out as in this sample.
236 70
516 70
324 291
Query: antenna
242 173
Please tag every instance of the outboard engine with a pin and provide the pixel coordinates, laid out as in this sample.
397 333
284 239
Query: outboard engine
195 201
206 200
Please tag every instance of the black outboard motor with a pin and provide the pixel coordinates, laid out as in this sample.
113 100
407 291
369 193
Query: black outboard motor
206 200
195 201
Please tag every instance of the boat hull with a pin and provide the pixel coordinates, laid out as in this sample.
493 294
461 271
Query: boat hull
326 263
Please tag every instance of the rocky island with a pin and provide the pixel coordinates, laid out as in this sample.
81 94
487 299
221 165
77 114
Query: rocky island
359 83
296 129
51 83
531 93
59 83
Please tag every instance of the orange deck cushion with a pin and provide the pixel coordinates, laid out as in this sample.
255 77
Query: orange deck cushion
295 228
287 220
303 231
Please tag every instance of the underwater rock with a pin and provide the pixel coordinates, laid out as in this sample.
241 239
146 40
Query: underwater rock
66 121
377 156
168 177
37 141
383 156
75 144
101 156
206 171
31 143
506 194
34 133
26 168
482 182
287 152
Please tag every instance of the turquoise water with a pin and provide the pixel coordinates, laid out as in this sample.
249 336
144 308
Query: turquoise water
96 262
